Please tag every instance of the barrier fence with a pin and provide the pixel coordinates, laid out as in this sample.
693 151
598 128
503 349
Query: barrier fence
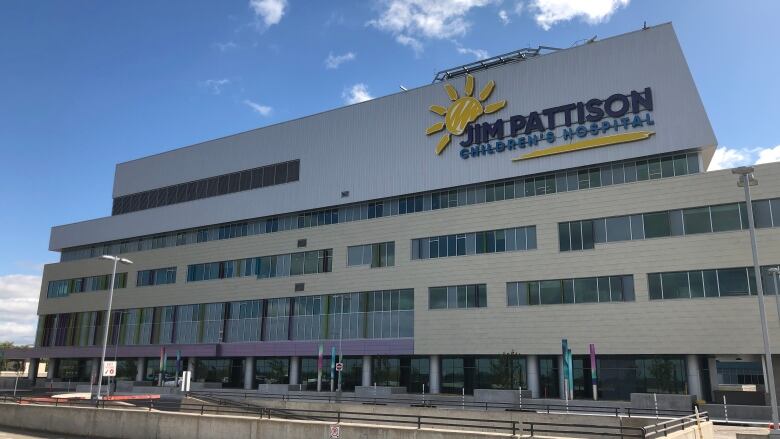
521 428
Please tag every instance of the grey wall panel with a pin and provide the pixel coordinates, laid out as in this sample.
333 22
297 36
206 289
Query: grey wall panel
378 148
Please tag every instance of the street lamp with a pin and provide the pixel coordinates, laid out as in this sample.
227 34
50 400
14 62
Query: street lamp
746 180
116 260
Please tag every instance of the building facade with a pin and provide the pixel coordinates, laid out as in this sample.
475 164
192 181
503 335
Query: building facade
448 237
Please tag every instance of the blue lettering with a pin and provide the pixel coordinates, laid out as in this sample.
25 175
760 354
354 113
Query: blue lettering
533 140
594 129
500 146
490 149
475 150
464 153
582 131
648 119
521 142
624 121
568 133
605 126
636 122
510 144
550 136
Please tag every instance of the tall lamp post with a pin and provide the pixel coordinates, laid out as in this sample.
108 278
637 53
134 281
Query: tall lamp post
775 273
116 260
746 180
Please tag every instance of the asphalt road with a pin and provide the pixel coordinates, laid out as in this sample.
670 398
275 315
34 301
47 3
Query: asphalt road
10 433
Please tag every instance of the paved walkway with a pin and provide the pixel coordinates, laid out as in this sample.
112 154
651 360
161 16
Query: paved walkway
10 433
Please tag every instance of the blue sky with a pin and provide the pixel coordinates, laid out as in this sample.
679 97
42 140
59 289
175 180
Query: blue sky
88 84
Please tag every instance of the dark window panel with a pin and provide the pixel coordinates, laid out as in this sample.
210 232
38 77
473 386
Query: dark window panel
143 201
181 192
245 180
257 178
281 173
201 189
293 170
189 194
233 182
213 187
268 175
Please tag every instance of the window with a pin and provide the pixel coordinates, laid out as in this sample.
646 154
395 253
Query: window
492 241
726 217
576 235
459 296
63 288
158 276
696 220
580 290
720 282
375 255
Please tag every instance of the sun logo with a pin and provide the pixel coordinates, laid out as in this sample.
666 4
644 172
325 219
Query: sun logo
462 111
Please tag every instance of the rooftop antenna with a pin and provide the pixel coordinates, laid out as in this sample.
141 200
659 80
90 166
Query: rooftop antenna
403 88
644 25
591 40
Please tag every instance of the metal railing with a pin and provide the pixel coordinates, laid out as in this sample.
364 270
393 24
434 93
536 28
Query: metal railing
218 406
662 429
432 402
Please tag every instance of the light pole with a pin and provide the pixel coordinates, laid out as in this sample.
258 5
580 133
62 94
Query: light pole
116 260
746 180
775 273
341 331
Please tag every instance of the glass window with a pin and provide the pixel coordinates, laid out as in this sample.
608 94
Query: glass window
437 298
733 282
675 285
656 224
550 292
711 283
696 283
563 237
587 235
693 163
637 227
654 286
618 228
586 290
725 217
762 215
697 220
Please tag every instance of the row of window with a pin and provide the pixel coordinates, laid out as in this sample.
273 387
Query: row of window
62 288
290 264
376 255
459 296
159 276
579 290
209 187
597 176
372 314
491 241
582 235
722 282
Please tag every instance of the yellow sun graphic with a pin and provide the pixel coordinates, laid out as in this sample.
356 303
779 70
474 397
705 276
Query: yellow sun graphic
462 111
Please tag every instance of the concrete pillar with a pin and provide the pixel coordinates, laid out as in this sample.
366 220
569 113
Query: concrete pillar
191 368
249 373
140 368
95 370
51 366
694 376
532 375
366 381
435 374
295 368
713 370
561 390
32 369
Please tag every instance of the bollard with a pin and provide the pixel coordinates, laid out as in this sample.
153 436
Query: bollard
725 409
463 397
655 402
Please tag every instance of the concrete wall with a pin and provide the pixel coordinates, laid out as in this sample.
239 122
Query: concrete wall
703 431
131 424
698 326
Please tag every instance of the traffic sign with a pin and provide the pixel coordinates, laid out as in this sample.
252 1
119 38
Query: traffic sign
339 367
109 368
335 431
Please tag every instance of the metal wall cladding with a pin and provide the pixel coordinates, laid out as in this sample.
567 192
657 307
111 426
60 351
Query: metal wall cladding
379 148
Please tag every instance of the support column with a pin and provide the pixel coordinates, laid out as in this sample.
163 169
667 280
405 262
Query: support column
435 373
295 367
694 376
366 371
532 368
32 369
561 390
96 371
140 368
191 368
249 373
713 369
51 367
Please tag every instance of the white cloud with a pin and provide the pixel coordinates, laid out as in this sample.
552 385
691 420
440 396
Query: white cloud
262 110
224 47
356 93
215 85
477 53
725 158
550 12
18 303
406 40
503 15
768 155
334 61
410 20
270 11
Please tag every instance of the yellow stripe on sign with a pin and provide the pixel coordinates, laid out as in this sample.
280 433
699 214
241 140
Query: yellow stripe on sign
587 144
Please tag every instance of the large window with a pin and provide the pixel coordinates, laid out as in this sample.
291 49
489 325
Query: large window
209 187
491 241
159 276
459 296
597 176
720 282
376 255
272 370
62 288
579 290
582 235
291 264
